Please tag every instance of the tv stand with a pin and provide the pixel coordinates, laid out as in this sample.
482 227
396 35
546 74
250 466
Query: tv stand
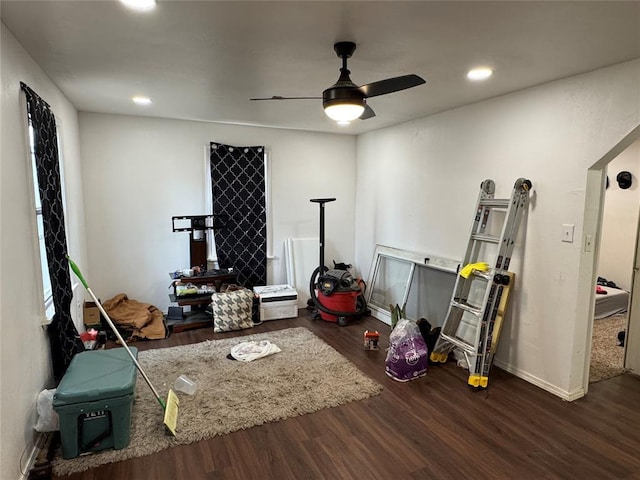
198 317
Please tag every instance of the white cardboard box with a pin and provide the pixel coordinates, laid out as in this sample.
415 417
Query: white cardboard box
277 301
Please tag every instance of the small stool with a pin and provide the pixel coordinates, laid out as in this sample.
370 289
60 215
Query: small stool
94 401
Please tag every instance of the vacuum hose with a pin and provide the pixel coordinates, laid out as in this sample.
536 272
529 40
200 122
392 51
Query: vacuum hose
316 301
321 269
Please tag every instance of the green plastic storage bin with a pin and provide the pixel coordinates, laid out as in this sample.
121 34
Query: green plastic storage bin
94 401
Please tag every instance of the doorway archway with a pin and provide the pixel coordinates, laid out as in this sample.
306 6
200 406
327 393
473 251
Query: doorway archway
592 226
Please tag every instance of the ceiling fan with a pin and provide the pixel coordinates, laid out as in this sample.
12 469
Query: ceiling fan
345 101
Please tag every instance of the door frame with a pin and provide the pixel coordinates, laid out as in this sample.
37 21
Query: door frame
632 337
592 225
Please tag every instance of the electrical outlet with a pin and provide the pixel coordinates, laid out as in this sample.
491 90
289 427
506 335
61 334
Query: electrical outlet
78 315
567 233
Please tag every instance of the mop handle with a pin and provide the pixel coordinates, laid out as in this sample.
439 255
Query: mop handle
76 270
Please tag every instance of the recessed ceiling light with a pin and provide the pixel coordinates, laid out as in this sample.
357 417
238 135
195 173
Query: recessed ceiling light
140 4
140 100
480 73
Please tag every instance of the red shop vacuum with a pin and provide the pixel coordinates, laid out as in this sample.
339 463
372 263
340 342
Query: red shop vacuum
336 295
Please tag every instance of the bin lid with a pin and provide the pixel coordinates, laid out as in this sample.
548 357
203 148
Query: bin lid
96 375
276 293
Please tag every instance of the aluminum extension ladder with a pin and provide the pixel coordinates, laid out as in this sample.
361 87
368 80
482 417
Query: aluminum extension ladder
479 301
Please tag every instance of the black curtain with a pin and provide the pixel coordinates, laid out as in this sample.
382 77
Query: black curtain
63 336
238 189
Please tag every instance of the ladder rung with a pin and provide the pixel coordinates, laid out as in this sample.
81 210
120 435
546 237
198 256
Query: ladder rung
488 275
459 343
495 202
467 308
480 237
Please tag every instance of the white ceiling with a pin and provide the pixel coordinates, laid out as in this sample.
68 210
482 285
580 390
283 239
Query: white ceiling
203 60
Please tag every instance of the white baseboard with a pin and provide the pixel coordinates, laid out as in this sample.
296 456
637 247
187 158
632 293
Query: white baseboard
569 396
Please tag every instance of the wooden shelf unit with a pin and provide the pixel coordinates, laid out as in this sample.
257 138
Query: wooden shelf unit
198 318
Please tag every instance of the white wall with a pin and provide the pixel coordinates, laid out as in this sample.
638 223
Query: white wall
417 185
620 220
25 349
139 172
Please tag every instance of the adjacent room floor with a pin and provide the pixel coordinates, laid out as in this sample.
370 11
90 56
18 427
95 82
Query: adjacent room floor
607 355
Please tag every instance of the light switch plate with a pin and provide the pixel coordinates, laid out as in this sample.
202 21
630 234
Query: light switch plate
567 233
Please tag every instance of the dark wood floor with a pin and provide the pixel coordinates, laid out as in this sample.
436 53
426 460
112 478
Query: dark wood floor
432 428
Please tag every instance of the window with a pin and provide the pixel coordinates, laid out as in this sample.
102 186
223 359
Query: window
422 282
49 307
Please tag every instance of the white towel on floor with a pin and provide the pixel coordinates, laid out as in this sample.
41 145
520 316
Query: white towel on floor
248 351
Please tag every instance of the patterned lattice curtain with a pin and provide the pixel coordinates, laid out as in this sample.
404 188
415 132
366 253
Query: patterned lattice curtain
238 190
63 336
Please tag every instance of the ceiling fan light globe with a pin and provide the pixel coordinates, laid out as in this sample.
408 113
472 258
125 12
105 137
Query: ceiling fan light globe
344 112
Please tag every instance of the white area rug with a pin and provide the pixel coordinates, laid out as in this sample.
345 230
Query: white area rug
307 376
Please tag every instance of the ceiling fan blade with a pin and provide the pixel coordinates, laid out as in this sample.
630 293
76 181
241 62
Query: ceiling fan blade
368 113
391 85
278 97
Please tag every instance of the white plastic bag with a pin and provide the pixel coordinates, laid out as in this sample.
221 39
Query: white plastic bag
48 420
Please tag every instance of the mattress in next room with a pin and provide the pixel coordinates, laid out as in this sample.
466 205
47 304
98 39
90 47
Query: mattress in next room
615 301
